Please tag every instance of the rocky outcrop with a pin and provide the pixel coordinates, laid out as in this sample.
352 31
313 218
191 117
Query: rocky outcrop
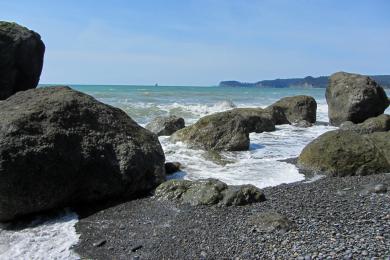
228 131
172 167
346 153
21 58
374 124
208 192
165 125
290 110
270 221
355 98
59 147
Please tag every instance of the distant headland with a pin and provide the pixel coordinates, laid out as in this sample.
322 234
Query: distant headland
307 82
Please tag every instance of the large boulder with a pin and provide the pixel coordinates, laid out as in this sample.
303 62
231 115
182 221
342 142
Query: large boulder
21 58
60 147
374 124
290 110
228 131
208 192
165 125
346 153
353 97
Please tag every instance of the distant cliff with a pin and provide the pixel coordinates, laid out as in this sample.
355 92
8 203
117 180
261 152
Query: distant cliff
309 82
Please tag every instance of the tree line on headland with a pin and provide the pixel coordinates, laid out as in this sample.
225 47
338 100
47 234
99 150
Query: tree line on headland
309 81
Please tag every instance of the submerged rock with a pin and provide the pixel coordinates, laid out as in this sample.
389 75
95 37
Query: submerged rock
374 124
21 58
165 125
344 153
226 131
172 167
353 97
60 147
302 124
209 192
293 109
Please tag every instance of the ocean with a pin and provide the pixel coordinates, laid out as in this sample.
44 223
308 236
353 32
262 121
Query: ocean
261 165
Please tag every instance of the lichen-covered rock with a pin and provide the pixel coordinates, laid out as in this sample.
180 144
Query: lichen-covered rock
21 58
270 221
226 131
165 125
346 153
374 124
353 97
60 147
208 192
290 110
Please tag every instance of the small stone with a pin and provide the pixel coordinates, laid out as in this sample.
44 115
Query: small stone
364 252
99 243
134 249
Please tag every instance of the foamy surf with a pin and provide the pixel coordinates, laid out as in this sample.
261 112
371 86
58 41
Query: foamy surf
260 166
43 238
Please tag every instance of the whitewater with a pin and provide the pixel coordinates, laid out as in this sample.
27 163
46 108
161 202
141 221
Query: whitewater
53 237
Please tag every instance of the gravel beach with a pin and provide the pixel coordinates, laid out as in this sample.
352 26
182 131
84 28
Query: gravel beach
331 218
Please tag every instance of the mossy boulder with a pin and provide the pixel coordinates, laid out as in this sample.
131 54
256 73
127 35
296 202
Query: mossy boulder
21 58
354 97
374 124
346 153
290 110
226 131
208 192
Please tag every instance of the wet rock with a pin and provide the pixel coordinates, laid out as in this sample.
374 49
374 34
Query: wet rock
208 192
374 124
355 98
294 109
302 124
343 153
226 131
21 58
165 125
59 147
172 167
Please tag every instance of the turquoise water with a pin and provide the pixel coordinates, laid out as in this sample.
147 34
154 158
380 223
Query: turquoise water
145 102
259 166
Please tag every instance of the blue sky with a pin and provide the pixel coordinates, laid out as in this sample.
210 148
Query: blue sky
201 42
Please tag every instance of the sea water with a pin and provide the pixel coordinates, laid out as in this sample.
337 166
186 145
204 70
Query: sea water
261 165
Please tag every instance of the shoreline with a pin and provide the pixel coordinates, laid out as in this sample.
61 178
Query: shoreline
331 217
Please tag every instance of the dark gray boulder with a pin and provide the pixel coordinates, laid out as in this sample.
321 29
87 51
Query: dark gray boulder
172 167
374 124
60 147
165 125
345 153
226 131
21 58
290 110
355 98
208 192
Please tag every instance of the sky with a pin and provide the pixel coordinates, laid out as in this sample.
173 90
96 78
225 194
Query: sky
201 42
